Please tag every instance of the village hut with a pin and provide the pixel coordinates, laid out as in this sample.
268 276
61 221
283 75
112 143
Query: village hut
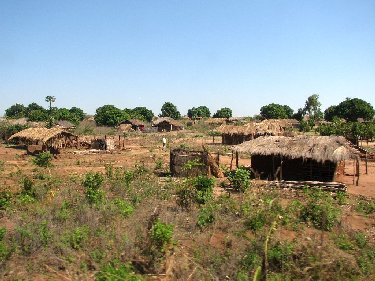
65 125
166 124
232 135
300 158
44 139
192 163
135 124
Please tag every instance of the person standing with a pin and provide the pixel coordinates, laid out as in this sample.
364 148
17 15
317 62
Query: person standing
164 143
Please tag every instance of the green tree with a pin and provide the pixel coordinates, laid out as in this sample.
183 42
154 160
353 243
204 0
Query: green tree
298 115
109 115
312 107
276 111
37 115
224 112
352 109
16 111
330 113
77 114
62 114
34 106
200 111
170 110
50 100
146 114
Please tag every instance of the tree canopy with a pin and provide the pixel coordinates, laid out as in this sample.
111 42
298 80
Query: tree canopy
109 115
142 113
170 110
200 111
276 111
312 107
350 110
224 112
16 111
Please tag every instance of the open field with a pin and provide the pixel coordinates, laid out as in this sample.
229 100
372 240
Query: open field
138 224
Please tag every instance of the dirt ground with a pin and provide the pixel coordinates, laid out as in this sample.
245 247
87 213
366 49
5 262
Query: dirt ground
147 150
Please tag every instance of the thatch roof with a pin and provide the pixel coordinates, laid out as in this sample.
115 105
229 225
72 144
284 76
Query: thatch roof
134 122
248 129
39 134
167 120
216 121
318 148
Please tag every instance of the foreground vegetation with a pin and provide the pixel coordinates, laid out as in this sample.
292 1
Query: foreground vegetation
128 224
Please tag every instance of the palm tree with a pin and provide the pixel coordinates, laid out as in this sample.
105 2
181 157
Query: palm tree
50 99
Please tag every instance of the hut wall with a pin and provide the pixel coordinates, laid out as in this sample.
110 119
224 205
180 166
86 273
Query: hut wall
293 169
180 160
233 139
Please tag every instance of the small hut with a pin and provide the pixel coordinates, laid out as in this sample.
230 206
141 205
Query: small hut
136 125
232 135
43 139
166 124
300 158
65 125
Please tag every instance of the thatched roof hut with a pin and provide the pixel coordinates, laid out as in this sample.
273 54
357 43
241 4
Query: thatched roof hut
232 134
136 125
298 158
167 124
47 139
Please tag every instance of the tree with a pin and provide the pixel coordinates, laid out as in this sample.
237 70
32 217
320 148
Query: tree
34 106
50 99
37 115
16 111
109 115
200 111
62 114
224 112
170 110
352 109
330 113
146 114
77 113
298 115
312 107
276 111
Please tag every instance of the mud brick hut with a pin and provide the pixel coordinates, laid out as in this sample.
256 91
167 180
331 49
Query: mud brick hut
166 124
43 139
301 158
136 125
189 163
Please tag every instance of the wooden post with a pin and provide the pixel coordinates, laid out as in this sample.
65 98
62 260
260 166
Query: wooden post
281 169
354 172
236 159
357 168
366 164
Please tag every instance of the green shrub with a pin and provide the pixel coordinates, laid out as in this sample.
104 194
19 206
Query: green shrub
279 255
44 233
204 187
341 198
123 207
343 242
92 183
360 239
109 170
161 234
5 199
256 221
185 196
365 206
206 216
116 271
240 179
43 159
320 210
77 237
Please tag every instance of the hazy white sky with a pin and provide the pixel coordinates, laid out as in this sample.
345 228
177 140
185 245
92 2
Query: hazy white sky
240 54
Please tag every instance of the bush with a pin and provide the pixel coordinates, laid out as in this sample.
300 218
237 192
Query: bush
161 234
206 216
77 237
5 198
115 271
365 207
92 183
320 210
43 159
123 207
240 179
204 189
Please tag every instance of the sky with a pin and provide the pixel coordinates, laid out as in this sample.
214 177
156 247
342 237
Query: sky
236 54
